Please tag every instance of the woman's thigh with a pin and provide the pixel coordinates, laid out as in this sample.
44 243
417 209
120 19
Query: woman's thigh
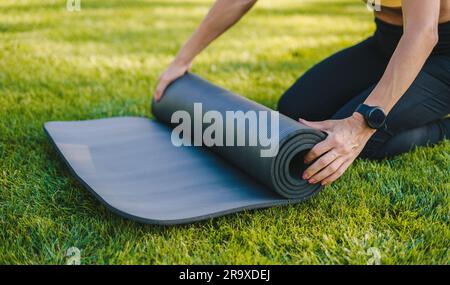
426 100
326 87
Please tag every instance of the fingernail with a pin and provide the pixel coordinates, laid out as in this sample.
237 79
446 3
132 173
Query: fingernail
311 181
323 183
305 176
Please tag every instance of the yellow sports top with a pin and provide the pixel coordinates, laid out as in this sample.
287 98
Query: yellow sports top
387 3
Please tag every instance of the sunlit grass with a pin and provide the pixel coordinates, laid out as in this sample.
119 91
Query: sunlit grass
104 61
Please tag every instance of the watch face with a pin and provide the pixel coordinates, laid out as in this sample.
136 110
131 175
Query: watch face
376 118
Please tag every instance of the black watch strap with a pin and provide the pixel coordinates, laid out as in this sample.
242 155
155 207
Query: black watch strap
364 110
374 116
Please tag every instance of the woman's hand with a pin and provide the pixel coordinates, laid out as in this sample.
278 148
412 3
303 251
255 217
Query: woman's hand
346 139
176 69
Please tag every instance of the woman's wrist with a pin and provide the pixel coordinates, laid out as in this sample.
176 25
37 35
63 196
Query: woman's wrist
181 64
182 61
361 125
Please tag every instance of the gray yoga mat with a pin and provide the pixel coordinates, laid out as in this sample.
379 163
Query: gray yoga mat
131 165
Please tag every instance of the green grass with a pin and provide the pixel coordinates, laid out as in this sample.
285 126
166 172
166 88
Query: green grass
104 61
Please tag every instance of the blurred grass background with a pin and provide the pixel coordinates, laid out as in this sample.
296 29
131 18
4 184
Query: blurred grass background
104 61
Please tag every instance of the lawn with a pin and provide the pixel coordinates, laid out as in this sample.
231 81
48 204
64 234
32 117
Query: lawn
104 61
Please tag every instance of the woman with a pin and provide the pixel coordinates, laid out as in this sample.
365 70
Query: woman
376 99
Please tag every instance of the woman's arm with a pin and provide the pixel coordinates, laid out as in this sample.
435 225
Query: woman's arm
346 138
419 38
222 15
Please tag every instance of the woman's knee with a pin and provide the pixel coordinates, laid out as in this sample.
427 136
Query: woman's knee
300 101
287 105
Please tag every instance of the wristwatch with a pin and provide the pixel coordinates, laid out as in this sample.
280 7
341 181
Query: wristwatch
374 116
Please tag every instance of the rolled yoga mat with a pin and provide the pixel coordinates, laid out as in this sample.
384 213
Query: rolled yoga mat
132 165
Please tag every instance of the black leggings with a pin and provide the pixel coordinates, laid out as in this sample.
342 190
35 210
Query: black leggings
336 86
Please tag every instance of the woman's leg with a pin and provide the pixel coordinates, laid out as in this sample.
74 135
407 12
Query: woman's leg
327 86
416 119
402 142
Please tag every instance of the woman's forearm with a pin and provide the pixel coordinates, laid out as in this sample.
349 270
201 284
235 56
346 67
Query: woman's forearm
404 66
222 15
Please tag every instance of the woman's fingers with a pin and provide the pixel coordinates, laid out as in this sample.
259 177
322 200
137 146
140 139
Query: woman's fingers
345 140
327 171
174 71
162 85
318 150
338 173
318 165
